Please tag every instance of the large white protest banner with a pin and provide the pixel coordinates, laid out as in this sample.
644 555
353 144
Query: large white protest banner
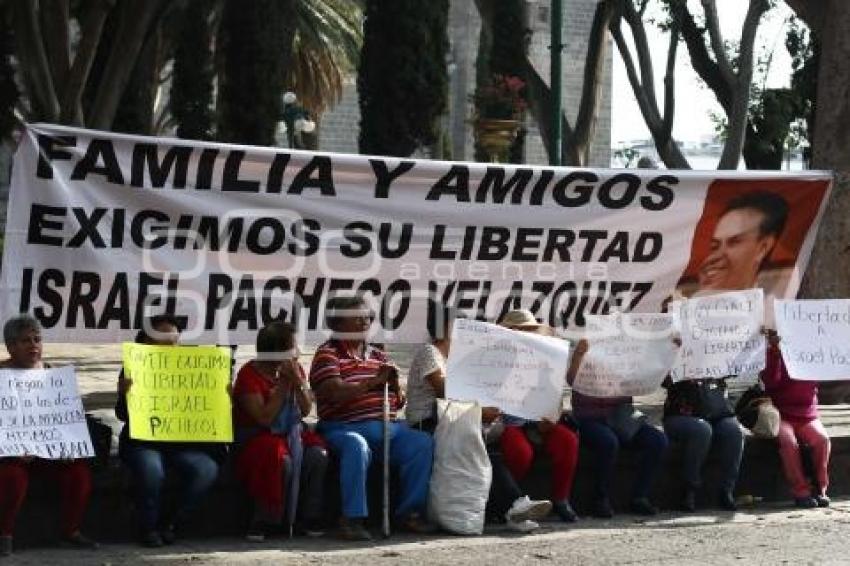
41 415
522 374
721 335
628 355
105 228
815 338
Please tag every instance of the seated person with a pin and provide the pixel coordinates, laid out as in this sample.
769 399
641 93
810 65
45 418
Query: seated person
276 456
605 424
22 335
426 378
797 403
558 441
195 463
348 377
425 384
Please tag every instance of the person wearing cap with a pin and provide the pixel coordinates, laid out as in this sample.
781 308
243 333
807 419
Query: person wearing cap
348 377
277 459
559 442
425 384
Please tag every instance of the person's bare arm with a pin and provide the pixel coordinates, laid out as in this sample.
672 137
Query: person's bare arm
575 362
437 380
336 390
262 412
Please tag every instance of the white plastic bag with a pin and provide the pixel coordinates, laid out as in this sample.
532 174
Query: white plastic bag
460 480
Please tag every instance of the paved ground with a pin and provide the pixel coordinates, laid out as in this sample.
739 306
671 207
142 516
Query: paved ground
769 535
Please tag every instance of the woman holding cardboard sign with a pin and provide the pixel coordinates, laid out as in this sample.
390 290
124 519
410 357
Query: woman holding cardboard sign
196 464
559 442
606 424
797 402
22 335
276 457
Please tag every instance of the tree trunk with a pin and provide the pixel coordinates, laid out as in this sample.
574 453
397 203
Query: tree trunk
136 20
828 275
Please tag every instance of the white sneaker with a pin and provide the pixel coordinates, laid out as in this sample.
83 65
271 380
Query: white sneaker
524 508
525 526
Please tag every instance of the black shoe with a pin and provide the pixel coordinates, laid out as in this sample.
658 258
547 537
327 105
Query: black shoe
415 524
805 502
354 529
689 500
565 511
642 506
151 539
6 545
168 535
822 500
726 501
258 531
80 542
602 509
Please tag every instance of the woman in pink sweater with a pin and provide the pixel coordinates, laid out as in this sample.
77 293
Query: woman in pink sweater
797 402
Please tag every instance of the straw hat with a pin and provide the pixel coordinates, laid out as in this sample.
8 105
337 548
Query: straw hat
519 318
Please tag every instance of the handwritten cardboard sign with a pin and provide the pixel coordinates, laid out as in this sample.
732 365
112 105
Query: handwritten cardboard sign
721 335
179 393
815 338
628 355
41 415
521 373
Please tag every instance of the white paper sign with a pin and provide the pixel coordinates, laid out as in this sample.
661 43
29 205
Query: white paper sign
815 338
521 373
41 415
629 355
721 335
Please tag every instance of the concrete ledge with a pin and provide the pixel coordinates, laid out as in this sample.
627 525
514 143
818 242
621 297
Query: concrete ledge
111 516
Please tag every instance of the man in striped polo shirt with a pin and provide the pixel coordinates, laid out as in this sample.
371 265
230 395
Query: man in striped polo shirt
348 377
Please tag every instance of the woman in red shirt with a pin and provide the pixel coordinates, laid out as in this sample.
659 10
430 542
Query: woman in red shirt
276 457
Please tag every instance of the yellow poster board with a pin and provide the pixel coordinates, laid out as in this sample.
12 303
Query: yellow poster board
178 393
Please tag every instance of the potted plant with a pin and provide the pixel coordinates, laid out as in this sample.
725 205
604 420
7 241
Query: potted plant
500 99
499 105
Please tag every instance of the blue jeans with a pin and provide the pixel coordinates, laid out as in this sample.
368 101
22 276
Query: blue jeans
412 451
698 435
197 472
650 442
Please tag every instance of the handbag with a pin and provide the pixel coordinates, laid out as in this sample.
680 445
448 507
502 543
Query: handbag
713 400
625 421
756 411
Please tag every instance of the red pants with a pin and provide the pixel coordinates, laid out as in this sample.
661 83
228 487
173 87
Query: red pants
72 476
260 467
792 433
561 444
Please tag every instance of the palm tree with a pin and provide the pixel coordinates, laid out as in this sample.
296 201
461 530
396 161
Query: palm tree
325 49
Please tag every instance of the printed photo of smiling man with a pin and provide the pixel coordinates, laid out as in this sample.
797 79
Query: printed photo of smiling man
750 235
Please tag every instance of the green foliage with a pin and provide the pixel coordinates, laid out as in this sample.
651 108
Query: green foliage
255 47
804 48
402 79
9 93
326 47
192 79
626 155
